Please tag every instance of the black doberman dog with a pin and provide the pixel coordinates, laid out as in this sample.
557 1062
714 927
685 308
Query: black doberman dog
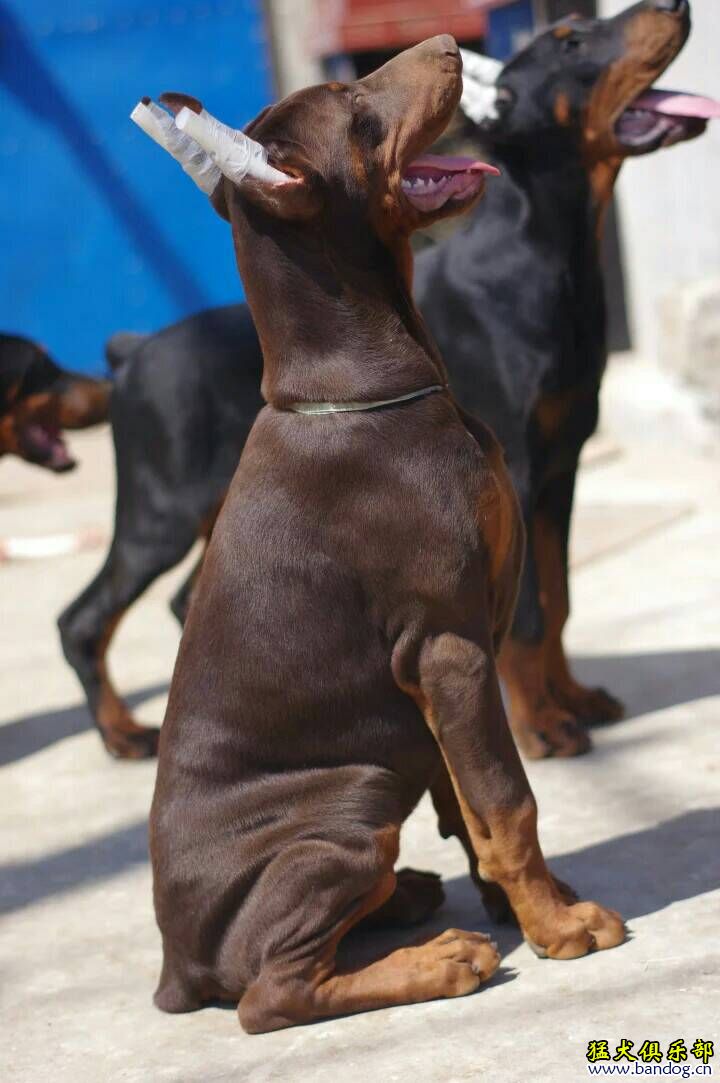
338 658
38 399
516 302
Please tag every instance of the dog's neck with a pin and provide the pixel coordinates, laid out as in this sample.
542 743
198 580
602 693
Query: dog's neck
555 188
556 192
333 311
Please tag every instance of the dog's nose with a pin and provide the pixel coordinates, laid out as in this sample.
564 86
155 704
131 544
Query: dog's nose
675 6
444 44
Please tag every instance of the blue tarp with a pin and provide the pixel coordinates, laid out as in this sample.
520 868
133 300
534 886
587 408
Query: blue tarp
99 229
509 28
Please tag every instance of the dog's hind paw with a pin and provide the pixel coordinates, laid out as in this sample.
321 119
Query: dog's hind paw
131 741
459 960
551 732
593 706
417 895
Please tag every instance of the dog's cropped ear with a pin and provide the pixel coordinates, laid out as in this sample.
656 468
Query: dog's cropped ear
161 127
243 161
480 92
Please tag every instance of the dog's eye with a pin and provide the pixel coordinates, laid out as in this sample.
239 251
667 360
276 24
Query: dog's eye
573 44
367 127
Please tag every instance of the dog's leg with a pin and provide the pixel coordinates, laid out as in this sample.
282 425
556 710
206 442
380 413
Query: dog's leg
180 602
459 695
541 726
550 536
299 982
89 623
450 822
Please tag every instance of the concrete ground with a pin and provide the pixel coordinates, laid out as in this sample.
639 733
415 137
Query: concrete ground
634 825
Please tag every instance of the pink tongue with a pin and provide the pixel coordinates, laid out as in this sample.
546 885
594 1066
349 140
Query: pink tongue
449 165
674 104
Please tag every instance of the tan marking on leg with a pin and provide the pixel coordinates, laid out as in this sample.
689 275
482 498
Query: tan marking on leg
509 854
451 822
474 743
584 704
450 965
541 727
122 736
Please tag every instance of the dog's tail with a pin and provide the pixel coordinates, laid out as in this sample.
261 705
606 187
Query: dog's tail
120 347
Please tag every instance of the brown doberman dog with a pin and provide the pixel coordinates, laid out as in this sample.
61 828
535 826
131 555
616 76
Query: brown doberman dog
339 654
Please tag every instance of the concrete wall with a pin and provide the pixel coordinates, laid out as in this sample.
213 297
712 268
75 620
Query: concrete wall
670 208
290 24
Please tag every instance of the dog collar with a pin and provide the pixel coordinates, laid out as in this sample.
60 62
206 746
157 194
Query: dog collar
352 407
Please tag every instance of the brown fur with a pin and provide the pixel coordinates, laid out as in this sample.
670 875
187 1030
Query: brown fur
338 658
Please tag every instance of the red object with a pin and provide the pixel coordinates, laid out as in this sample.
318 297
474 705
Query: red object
350 26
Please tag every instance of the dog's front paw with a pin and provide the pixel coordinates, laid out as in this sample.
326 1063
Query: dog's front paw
577 930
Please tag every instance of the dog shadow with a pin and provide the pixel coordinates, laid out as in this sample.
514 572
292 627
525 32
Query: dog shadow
654 681
26 736
644 682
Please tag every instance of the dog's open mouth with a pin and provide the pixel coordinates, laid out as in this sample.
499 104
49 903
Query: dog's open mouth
431 181
44 446
659 118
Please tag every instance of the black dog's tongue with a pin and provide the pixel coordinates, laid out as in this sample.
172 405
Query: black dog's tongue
673 103
664 117
46 447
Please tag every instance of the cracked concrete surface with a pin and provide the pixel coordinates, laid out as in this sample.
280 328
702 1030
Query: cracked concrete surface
635 825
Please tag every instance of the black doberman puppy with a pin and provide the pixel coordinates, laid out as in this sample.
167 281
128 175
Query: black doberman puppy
516 302
338 658
38 399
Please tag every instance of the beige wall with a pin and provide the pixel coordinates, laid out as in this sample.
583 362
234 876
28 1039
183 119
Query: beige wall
290 28
670 201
